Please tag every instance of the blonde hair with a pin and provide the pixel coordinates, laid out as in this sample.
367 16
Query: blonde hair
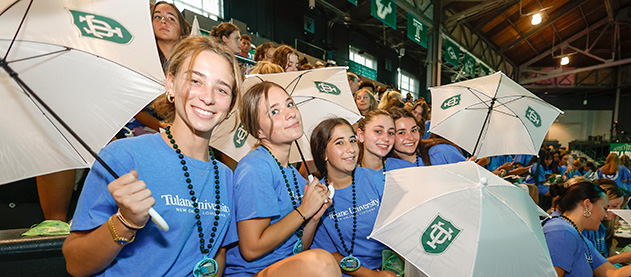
189 48
373 100
611 164
265 67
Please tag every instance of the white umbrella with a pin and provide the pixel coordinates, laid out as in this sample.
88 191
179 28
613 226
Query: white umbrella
74 73
461 220
94 63
491 115
319 94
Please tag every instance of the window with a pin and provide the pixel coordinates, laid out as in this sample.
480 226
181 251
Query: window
210 8
364 59
407 83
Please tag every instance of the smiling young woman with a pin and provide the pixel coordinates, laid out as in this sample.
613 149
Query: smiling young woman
350 219
276 211
110 234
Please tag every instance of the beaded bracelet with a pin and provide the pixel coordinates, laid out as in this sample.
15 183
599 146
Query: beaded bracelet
127 223
303 217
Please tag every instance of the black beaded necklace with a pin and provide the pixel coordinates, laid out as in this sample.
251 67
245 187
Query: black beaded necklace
217 206
337 227
294 200
588 255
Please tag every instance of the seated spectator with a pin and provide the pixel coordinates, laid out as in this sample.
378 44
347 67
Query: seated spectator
365 101
603 237
367 84
265 67
614 171
286 57
353 82
581 205
264 52
574 170
229 35
245 46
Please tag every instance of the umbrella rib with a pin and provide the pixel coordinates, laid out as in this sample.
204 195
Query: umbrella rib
295 82
10 6
477 96
39 56
18 30
520 121
52 123
92 54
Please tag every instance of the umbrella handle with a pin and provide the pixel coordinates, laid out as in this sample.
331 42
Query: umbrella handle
331 188
158 220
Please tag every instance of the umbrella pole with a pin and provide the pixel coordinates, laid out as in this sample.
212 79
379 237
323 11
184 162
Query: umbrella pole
303 158
488 115
14 75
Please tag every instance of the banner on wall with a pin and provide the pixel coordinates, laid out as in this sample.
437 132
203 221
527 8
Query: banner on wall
620 149
362 70
417 31
469 64
354 2
452 53
385 11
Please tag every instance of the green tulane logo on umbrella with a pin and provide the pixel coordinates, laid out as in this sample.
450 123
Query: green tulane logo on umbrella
439 235
533 116
101 27
327 88
451 102
240 136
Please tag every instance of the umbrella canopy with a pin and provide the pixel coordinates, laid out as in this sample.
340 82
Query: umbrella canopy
318 93
491 115
94 63
461 220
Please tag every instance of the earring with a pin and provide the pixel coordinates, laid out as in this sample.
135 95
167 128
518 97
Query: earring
170 99
587 213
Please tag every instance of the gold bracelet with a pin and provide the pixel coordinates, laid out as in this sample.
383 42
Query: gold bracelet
122 241
127 223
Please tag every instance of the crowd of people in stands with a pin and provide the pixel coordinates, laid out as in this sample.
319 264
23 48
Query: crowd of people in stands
261 216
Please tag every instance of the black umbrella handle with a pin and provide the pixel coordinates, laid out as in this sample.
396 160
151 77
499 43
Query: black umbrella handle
303 158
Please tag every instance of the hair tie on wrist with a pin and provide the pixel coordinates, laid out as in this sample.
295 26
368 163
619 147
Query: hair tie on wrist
303 217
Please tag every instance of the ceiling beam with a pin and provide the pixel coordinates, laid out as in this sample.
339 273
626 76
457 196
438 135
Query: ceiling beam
574 37
589 68
611 6
475 10
499 12
567 8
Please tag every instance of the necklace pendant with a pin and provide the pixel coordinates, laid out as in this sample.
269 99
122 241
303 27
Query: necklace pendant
207 267
350 263
298 246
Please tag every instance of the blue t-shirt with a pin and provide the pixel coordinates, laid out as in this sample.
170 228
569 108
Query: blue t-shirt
444 154
394 163
261 191
497 161
567 249
622 174
522 159
570 172
154 251
369 186
427 132
598 239
541 176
